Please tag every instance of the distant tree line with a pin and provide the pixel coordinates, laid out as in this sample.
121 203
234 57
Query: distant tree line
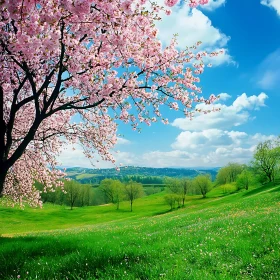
143 175
264 167
75 194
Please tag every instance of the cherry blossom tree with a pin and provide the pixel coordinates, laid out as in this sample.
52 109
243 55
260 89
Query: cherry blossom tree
100 60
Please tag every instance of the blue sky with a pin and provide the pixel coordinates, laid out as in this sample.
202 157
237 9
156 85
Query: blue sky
247 77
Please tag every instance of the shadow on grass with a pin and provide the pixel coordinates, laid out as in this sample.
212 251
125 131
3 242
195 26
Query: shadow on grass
54 257
263 188
223 194
164 212
275 190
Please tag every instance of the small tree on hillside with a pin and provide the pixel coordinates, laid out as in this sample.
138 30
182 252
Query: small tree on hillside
174 186
186 185
245 179
229 173
73 192
203 184
113 190
132 191
266 159
84 195
178 187
171 199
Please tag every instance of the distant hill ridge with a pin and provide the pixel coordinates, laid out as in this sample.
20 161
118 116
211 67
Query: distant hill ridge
90 175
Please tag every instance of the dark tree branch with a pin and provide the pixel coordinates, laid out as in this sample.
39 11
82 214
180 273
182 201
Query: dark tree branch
2 127
11 121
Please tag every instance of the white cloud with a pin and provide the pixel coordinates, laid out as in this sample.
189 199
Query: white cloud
224 96
198 139
273 4
223 57
73 155
208 139
213 4
228 117
207 148
192 26
268 73
167 159
122 141
249 102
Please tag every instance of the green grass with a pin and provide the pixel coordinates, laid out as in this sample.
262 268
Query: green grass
234 236
85 175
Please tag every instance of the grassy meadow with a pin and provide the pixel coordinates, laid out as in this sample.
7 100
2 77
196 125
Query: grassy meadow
228 235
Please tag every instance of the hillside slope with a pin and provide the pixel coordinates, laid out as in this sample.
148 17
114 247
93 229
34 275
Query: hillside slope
94 176
222 237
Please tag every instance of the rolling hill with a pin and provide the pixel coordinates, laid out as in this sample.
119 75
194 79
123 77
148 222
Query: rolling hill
94 176
225 236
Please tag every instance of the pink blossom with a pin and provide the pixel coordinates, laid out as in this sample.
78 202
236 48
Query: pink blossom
143 2
170 3
203 2
168 12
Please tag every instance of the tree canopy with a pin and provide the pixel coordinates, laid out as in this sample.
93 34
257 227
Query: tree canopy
229 173
99 60
203 184
266 159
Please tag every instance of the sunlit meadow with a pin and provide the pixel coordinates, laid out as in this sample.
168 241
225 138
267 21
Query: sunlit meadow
226 236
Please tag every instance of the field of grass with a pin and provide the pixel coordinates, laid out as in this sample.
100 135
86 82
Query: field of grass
226 236
85 175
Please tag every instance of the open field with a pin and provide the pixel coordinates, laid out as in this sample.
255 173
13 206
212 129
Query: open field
226 236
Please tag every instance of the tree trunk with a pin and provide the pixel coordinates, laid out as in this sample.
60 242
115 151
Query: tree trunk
2 141
131 206
2 180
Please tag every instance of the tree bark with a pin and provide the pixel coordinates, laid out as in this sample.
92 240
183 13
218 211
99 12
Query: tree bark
3 175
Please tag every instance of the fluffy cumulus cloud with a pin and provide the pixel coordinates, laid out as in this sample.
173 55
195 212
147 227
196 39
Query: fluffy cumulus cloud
268 73
213 4
213 140
208 148
208 140
273 4
192 25
224 96
202 139
229 116
216 139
